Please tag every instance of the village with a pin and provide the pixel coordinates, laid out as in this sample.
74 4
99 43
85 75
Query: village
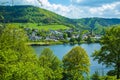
69 35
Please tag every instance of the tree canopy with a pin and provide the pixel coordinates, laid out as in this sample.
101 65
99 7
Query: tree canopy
109 53
76 64
17 60
51 64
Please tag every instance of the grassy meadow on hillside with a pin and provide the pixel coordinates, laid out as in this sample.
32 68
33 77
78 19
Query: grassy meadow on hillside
39 27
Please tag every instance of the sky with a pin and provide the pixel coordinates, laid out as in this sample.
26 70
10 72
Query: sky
75 8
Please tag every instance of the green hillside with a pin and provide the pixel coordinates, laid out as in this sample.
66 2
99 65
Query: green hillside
95 24
39 27
42 17
31 14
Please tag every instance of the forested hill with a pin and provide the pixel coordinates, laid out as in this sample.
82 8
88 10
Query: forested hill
33 14
94 21
23 14
95 24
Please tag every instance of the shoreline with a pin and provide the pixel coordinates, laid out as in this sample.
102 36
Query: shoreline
54 43
43 43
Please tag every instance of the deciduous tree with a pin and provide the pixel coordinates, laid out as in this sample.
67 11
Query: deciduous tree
51 64
109 54
76 64
17 60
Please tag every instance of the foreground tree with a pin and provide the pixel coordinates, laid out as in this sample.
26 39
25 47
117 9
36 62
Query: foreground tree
76 64
17 60
51 65
109 53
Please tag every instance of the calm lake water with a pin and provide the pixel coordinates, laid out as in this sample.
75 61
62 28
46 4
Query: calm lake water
61 50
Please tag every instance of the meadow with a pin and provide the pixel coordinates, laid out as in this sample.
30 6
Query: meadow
39 27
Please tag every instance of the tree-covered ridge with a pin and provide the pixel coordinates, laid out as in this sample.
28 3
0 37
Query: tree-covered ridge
96 25
102 21
23 14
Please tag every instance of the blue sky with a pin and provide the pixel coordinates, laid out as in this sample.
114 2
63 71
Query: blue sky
62 2
77 8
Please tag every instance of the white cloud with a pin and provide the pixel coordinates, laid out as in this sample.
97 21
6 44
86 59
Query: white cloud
107 7
58 8
75 11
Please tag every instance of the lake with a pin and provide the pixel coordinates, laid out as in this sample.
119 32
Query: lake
61 50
